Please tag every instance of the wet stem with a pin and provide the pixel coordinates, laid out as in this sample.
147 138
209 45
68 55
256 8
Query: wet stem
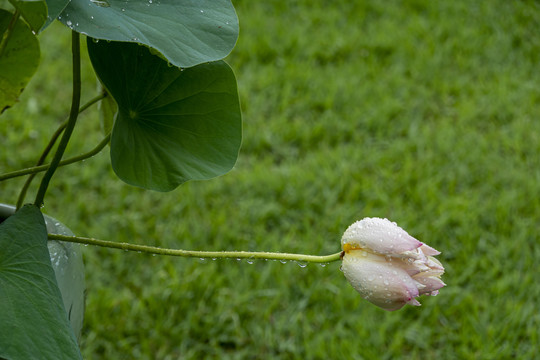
250 255
74 113
38 167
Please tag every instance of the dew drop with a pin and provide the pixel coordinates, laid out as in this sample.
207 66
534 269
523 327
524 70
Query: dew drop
283 261
102 3
238 259
214 259
249 261
202 11
322 264
202 259
123 9
69 23
301 264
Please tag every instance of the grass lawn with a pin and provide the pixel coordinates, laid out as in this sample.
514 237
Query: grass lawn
424 112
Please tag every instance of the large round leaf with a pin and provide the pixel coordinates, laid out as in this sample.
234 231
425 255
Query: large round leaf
18 61
55 8
33 321
33 11
186 32
172 125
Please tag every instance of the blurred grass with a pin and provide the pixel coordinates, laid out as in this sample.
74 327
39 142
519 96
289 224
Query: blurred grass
423 112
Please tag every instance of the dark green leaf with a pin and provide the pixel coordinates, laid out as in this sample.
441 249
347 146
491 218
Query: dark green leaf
18 61
186 32
55 8
172 125
33 321
107 112
34 12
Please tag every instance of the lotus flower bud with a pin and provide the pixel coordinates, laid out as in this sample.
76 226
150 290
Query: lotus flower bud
387 266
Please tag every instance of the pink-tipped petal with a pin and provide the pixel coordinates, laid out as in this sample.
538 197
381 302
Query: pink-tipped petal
378 281
435 264
429 251
387 266
431 283
380 236
414 302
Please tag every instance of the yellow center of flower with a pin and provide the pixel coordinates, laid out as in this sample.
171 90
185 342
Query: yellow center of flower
348 247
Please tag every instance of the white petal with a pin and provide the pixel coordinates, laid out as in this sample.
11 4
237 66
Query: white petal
379 235
429 251
379 281
432 283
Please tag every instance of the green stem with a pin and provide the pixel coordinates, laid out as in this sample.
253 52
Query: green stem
199 254
49 147
9 31
71 160
75 103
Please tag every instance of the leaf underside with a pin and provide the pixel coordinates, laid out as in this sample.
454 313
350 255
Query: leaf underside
186 32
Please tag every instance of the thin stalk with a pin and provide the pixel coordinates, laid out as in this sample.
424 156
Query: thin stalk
199 254
49 147
74 113
71 160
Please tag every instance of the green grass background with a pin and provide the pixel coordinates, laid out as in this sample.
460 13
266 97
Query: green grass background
424 112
